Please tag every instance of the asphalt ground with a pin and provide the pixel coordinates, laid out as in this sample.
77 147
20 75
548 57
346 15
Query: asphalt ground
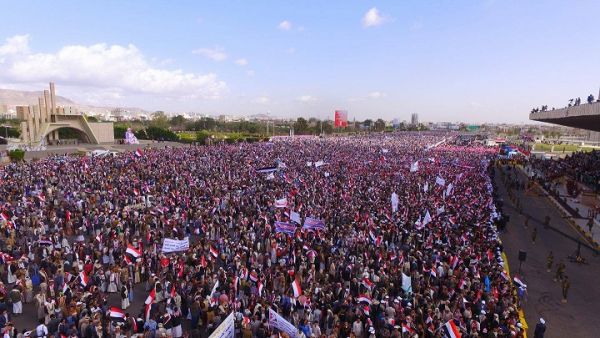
580 316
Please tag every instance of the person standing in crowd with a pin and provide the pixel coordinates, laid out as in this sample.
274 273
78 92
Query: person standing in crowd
540 329
560 270
549 261
565 285
17 300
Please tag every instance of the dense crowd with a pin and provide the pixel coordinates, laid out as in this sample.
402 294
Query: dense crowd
581 166
380 236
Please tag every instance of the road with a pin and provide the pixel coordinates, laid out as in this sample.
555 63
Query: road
579 316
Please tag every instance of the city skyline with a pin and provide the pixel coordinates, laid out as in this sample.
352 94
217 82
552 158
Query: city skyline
482 62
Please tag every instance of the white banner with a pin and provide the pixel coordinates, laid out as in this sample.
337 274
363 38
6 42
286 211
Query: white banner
394 202
275 320
406 284
414 167
295 217
226 329
174 245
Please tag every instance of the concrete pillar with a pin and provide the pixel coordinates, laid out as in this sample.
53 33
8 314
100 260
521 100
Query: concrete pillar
34 111
52 99
47 104
42 110
30 127
24 132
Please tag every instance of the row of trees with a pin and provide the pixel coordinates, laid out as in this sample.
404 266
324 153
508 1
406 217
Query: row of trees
300 126
161 126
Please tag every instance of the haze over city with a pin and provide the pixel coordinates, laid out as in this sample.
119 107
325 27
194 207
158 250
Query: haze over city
486 61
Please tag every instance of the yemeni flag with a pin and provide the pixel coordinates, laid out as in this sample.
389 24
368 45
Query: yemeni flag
454 262
68 277
236 282
366 310
214 252
406 328
139 153
134 324
65 287
133 251
151 297
203 262
84 278
136 192
260 288
68 215
364 299
128 260
297 289
366 282
116 314
519 282
451 330
181 268
254 276
4 216
147 311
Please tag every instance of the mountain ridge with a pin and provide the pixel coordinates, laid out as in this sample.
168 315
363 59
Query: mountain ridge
13 97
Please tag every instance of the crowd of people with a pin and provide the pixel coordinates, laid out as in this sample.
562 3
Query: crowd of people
582 166
373 236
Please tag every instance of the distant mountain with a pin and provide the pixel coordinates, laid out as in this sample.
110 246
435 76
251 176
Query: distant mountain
13 98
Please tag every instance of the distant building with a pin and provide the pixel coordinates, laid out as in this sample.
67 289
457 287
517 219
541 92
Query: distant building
414 119
40 123
6 113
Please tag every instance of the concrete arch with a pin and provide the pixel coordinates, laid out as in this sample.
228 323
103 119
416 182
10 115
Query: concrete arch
81 133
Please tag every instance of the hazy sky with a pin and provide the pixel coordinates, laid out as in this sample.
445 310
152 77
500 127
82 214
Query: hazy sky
486 61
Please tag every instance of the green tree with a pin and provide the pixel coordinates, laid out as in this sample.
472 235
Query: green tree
8 131
159 120
301 126
202 136
16 155
379 125
178 121
155 133
91 118
327 127
205 123
119 131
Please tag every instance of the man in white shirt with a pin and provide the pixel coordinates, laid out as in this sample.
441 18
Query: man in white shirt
41 330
